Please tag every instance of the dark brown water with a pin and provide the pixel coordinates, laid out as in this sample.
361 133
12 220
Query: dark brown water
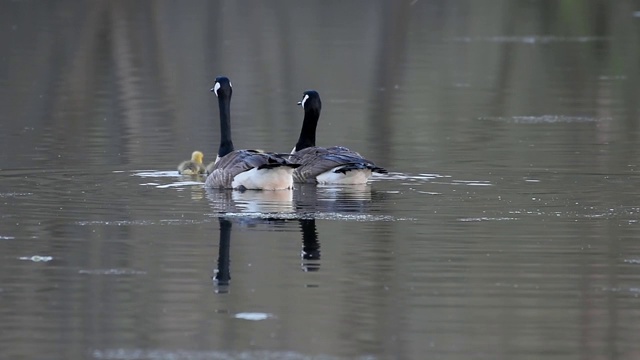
508 227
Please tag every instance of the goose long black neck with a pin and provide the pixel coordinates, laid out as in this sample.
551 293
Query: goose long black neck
226 145
308 133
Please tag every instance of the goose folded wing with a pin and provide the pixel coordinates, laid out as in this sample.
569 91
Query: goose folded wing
316 161
243 160
354 160
235 162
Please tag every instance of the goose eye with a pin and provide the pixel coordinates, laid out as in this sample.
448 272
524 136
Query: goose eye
304 99
216 87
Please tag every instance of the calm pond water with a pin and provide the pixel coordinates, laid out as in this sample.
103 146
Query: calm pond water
508 227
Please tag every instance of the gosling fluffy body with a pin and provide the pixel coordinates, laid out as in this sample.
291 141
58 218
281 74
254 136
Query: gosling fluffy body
193 166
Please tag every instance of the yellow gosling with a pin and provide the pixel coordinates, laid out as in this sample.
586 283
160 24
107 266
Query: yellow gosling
193 166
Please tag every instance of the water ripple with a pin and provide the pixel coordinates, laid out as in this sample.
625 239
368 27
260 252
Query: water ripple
409 179
116 272
135 354
14 194
585 213
634 291
176 184
36 258
139 222
316 216
544 119
612 77
532 39
472 182
402 176
487 219
156 174
253 316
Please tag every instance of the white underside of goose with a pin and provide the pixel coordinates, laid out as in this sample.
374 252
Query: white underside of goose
352 177
279 178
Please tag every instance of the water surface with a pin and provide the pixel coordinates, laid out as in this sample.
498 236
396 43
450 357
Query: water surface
506 229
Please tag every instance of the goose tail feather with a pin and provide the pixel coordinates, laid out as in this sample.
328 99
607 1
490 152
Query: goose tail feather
360 166
273 166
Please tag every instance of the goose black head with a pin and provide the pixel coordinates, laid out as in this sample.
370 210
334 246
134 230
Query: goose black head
222 86
310 100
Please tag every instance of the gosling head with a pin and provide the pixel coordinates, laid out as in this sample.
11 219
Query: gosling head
197 157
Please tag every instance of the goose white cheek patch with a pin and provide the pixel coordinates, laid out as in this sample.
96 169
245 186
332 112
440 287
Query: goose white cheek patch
304 99
216 87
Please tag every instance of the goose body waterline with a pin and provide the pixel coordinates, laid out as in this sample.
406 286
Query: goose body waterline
332 165
193 166
244 169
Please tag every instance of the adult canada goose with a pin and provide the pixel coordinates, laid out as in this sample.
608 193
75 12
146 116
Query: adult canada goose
193 166
244 169
333 165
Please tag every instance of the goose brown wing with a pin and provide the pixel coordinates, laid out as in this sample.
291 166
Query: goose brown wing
238 161
317 160
355 160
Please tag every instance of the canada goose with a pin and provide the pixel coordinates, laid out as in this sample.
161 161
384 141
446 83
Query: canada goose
193 166
333 165
244 169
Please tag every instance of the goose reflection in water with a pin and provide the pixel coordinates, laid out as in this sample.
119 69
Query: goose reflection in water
251 202
276 208
310 251
234 204
334 199
222 274
302 202
264 201
310 245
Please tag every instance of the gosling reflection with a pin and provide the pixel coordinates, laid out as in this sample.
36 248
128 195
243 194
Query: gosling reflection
222 274
310 245
196 191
